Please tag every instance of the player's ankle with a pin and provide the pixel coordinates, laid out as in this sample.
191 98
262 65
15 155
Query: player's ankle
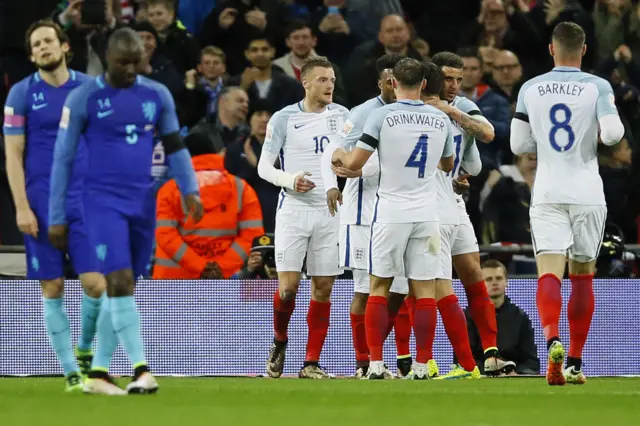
308 363
576 363
551 341
491 353
139 371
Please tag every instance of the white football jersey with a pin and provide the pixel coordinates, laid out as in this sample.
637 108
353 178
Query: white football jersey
449 202
563 108
359 194
411 138
299 138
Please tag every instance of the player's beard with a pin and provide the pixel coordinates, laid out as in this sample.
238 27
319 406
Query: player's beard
51 66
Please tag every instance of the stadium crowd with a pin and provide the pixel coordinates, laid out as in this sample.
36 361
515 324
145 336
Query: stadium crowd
230 64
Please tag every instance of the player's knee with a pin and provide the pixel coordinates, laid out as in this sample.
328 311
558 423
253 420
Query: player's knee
359 303
444 288
52 289
321 288
94 284
396 300
120 283
581 265
467 268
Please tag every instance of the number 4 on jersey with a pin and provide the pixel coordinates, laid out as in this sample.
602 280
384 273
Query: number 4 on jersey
418 157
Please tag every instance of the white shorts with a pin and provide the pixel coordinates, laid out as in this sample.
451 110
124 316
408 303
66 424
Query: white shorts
466 241
409 249
448 235
362 283
568 229
313 234
354 246
354 255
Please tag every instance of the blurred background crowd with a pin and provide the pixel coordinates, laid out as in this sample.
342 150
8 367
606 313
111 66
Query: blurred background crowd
230 64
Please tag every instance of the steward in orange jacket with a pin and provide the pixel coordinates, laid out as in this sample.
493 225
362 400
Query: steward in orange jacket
220 243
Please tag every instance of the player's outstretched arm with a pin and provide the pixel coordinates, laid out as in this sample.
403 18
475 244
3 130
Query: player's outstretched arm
15 112
72 124
469 117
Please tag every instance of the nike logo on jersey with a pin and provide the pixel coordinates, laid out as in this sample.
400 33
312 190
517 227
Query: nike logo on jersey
103 114
37 107
297 126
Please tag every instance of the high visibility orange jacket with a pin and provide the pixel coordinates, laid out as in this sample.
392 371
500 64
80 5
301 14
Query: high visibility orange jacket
232 219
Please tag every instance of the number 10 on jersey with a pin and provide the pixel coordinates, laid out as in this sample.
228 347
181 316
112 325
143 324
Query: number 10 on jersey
418 157
320 141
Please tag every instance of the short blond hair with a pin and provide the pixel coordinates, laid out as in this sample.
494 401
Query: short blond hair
213 51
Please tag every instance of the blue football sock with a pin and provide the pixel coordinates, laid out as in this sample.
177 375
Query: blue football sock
59 333
89 312
107 339
126 322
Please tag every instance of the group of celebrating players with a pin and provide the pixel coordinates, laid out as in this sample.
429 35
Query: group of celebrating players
402 224
79 153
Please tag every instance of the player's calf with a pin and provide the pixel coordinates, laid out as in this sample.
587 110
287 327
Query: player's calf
358 333
318 321
94 285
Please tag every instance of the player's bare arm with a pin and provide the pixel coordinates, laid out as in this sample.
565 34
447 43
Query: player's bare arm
14 152
354 160
475 127
446 164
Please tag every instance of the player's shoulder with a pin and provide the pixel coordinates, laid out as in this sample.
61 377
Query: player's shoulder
367 106
465 105
601 84
152 85
283 115
542 78
24 85
338 108
80 77
84 90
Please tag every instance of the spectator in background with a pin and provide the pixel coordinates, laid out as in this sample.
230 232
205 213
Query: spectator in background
175 42
507 75
503 26
361 74
242 160
156 66
545 16
615 163
516 337
88 42
204 85
218 245
339 30
505 204
234 23
261 264
374 11
493 106
301 43
262 82
229 125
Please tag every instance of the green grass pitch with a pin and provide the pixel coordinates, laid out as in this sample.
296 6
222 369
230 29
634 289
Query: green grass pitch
262 402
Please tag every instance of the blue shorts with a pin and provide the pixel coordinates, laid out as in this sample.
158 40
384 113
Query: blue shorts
120 239
45 262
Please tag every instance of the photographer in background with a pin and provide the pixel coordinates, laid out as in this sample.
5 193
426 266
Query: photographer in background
261 264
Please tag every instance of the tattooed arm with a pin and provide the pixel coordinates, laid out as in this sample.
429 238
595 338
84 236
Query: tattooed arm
474 125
